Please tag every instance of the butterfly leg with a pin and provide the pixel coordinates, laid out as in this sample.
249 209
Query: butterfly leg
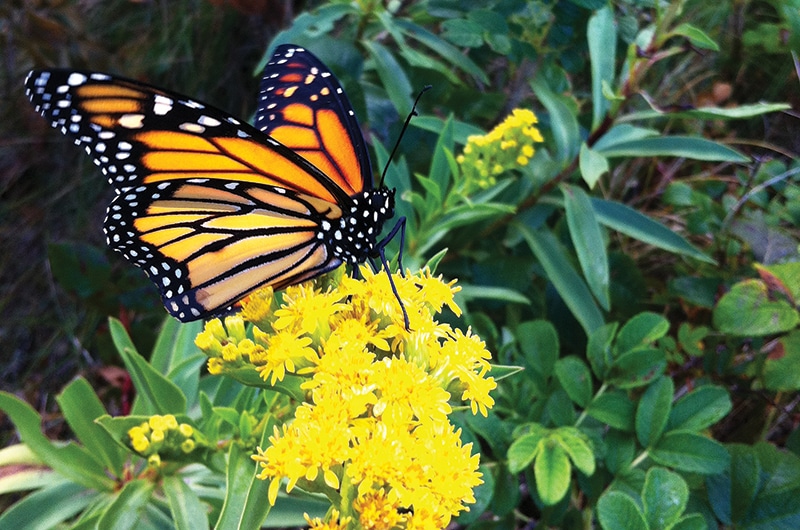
400 225
385 263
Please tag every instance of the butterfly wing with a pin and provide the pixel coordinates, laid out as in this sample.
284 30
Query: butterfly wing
195 189
303 106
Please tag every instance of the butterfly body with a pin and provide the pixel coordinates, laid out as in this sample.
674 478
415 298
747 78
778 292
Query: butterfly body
212 208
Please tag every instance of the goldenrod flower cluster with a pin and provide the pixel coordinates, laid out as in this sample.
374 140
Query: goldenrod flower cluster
507 146
373 431
162 436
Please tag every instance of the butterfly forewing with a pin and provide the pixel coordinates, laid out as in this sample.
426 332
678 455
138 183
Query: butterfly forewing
303 106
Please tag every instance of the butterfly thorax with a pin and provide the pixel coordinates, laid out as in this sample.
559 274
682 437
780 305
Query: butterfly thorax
353 238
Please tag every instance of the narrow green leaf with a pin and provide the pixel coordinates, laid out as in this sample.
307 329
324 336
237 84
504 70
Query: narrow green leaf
482 292
664 498
617 510
246 504
624 132
81 407
392 76
49 507
129 505
696 36
638 226
69 460
184 505
523 450
593 165
700 409
689 451
692 147
174 344
588 241
553 472
653 411
641 331
472 213
601 35
440 171
599 349
575 379
613 408
442 48
563 121
560 272
693 521
713 113
156 393
434 124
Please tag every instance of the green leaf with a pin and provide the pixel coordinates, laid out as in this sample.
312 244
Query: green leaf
440 171
641 331
155 393
653 411
575 378
782 373
664 498
184 505
601 35
246 504
539 344
599 349
593 165
81 407
637 368
692 147
48 507
700 409
623 133
483 292
560 272
748 311
689 451
553 472
524 449
613 408
462 32
69 460
128 506
588 241
578 448
442 48
696 36
741 112
563 121
392 76
638 226
693 521
616 510
434 124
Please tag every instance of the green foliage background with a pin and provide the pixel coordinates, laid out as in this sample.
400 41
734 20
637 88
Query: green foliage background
662 358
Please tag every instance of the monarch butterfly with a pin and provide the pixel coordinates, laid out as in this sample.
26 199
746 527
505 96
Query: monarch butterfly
212 208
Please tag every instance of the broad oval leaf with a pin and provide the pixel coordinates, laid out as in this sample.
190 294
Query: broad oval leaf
664 497
689 451
553 472
617 510
653 411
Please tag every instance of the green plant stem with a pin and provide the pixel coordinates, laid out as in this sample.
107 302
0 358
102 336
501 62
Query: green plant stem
583 414
639 459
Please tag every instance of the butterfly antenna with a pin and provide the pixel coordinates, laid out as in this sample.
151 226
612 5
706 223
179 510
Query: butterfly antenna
403 131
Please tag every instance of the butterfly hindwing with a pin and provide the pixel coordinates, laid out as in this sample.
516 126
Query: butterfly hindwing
207 243
303 106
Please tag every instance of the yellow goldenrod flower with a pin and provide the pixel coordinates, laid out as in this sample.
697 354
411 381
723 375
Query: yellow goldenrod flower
334 524
508 146
377 395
